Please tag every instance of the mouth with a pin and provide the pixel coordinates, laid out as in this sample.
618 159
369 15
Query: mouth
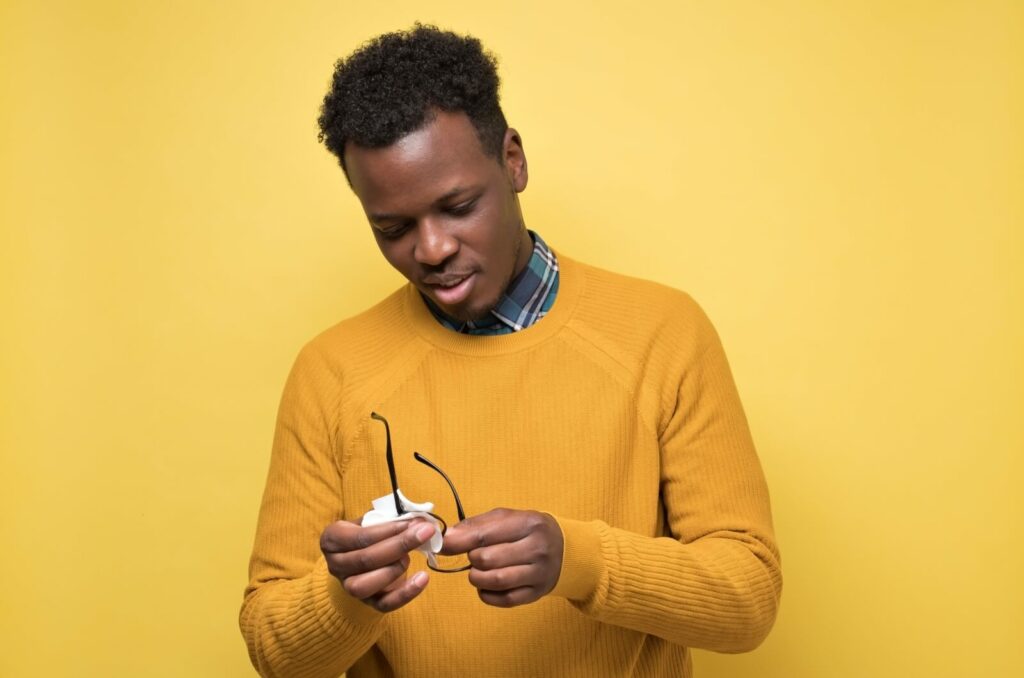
451 290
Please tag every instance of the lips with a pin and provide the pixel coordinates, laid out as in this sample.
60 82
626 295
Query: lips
450 289
446 280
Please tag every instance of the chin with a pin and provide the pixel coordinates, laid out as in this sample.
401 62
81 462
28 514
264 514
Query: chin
475 312
466 315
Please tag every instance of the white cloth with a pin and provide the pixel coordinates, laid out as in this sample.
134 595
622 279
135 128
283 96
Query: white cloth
385 511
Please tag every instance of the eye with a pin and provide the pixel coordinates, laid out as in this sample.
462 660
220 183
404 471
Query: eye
463 208
394 232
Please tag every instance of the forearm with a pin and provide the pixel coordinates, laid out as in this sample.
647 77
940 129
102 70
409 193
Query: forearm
306 626
720 592
296 619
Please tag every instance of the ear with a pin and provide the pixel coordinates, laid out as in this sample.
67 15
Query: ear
514 160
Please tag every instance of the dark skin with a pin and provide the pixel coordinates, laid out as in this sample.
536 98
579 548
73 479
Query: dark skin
371 562
442 210
516 557
446 215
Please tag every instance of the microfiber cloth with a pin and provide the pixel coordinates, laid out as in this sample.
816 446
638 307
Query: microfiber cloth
384 511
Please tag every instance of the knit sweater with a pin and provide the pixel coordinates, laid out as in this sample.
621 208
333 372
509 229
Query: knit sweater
616 414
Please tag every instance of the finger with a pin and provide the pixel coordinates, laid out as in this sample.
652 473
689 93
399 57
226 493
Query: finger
395 584
520 596
369 584
497 526
505 579
381 554
394 599
520 552
342 536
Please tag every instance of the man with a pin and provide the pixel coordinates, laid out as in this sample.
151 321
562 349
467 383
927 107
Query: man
599 409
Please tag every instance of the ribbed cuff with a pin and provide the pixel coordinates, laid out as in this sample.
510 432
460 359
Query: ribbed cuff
353 611
582 565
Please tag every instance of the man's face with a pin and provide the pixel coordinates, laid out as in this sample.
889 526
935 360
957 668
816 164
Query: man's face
444 213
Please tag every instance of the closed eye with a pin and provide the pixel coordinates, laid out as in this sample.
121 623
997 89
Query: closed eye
394 232
462 209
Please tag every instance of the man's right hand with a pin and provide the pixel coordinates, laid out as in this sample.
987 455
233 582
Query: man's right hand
371 562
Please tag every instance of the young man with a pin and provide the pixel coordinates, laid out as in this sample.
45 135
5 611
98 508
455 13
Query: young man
599 409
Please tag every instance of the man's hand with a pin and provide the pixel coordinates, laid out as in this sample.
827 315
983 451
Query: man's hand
516 556
371 562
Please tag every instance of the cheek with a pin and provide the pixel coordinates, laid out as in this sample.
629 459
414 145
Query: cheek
498 232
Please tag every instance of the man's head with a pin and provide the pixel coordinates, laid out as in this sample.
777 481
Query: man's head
414 120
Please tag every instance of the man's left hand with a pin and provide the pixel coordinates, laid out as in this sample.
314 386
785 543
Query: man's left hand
516 556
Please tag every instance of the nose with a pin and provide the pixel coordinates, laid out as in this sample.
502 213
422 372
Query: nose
434 244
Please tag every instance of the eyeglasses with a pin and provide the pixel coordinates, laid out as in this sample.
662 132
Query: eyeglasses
401 509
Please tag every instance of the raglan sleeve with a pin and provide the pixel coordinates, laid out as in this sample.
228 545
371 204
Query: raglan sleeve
296 618
715 581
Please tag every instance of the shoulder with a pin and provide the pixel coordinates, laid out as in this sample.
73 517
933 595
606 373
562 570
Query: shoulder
638 314
367 338
630 289
650 334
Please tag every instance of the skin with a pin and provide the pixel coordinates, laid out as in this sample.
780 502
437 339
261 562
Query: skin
442 211
371 562
441 208
516 555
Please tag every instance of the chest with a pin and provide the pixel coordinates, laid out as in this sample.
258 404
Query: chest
548 434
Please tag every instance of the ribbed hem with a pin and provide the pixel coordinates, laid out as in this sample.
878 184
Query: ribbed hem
570 287
581 560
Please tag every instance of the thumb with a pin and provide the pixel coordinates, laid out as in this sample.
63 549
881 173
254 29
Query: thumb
458 539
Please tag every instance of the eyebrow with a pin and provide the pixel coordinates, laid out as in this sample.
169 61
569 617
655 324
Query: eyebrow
458 190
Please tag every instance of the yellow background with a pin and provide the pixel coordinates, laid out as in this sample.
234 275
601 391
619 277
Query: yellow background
839 184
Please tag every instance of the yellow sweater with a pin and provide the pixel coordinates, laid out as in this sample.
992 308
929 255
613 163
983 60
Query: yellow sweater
616 414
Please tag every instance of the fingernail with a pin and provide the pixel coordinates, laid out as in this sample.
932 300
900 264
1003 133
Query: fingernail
420 579
424 532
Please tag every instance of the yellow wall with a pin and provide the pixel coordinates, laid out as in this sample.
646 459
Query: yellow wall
839 184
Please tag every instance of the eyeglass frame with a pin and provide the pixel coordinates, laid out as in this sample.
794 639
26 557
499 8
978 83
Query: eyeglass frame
400 508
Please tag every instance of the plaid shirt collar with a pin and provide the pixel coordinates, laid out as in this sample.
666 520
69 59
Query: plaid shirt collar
528 298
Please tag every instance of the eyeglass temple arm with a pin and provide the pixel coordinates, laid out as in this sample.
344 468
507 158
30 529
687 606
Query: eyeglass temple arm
399 508
458 503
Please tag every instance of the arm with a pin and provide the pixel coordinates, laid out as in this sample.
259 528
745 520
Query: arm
715 582
296 618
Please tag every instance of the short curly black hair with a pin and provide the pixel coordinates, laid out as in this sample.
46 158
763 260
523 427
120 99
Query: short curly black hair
393 84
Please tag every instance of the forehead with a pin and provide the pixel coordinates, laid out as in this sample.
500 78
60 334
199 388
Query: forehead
444 154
